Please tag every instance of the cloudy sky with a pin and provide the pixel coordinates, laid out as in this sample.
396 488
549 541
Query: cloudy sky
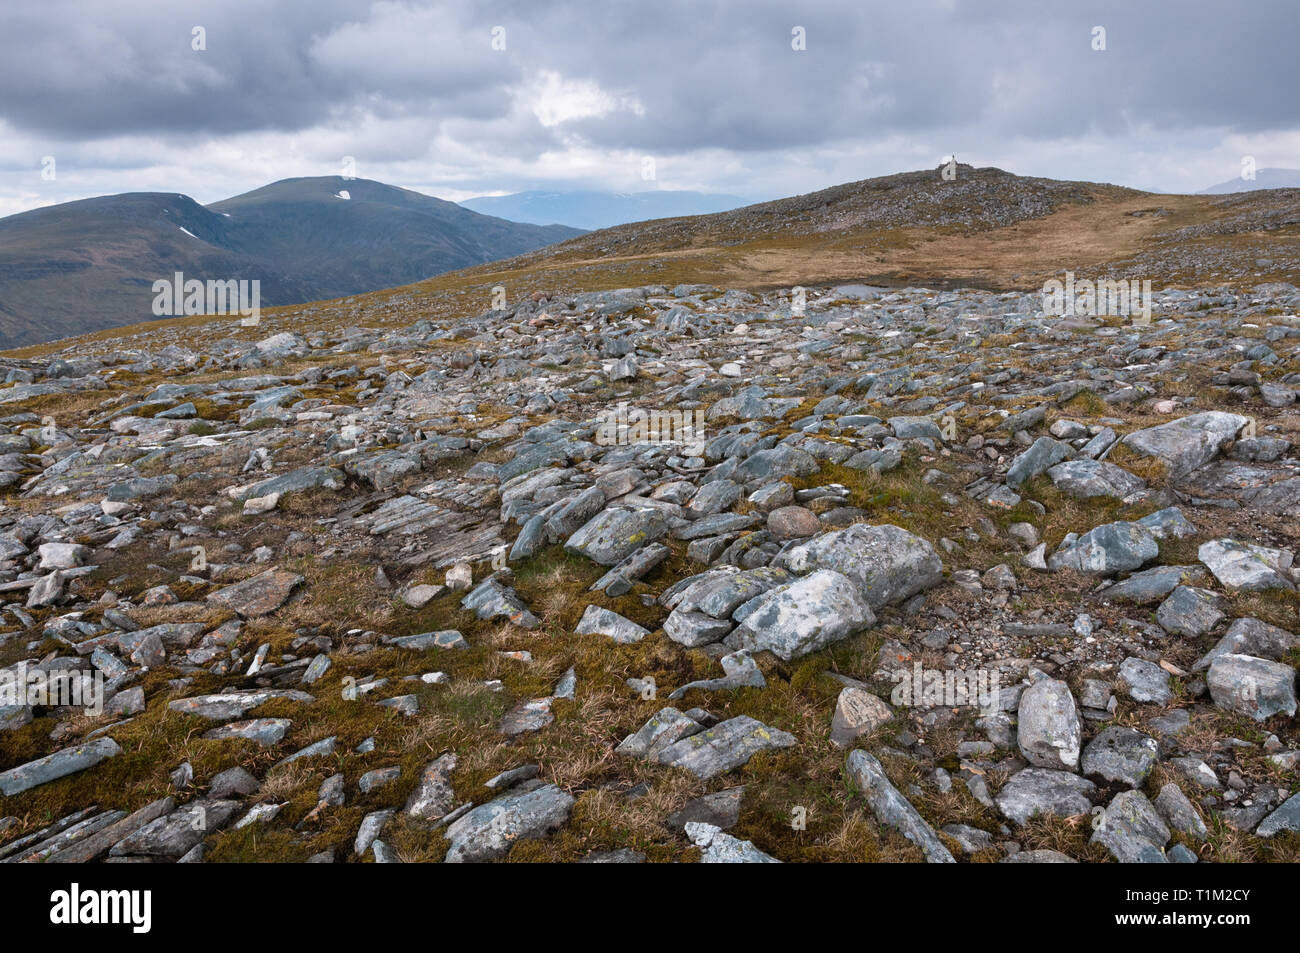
422 94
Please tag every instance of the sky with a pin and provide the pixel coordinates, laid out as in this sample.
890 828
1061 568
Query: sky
755 98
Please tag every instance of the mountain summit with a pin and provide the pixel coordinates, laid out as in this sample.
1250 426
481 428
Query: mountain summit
89 265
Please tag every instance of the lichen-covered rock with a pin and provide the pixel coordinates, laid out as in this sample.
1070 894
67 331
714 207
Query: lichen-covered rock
490 830
805 616
1050 732
887 563
615 533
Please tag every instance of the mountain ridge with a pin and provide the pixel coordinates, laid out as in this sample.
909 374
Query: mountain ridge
297 236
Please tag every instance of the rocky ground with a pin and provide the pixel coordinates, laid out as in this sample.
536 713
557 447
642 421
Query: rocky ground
365 594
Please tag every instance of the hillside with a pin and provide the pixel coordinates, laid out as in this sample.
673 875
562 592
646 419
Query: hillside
941 575
989 229
87 265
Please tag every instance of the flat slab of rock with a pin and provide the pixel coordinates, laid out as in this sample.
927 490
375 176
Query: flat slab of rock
717 847
1152 585
265 731
807 615
57 765
1034 791
666 727
1188 443
1246 566
894 810
1085 479
600 621
85 849
177 833
490 830
296 481
261 595
887 563
725 746
227 706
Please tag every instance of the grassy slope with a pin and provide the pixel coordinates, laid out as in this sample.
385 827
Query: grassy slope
854 232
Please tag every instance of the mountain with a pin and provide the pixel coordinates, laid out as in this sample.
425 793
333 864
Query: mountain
989 228
1264 179
589 209
339 476
88 265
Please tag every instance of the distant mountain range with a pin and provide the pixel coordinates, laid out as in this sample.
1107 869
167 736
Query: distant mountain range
84 266
593 210
1264 179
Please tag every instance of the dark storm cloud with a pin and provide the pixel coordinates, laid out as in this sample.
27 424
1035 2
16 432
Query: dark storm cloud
419 82
720 74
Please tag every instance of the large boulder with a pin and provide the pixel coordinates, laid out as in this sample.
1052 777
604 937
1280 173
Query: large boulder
490 830
1246 566
1250 686
887 563
806 615
1108 549
1188 443
1049 732
615 533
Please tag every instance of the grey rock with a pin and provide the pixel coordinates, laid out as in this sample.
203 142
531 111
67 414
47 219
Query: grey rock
887 563
1255 687
1132 830
1108 549
599 621
723 747
490 830
1038 459
1188 443
58 765
807 615
1189 611
1034 791
894 810
615 533
1120 754
717 847
1145 681
1178 812
1050 732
